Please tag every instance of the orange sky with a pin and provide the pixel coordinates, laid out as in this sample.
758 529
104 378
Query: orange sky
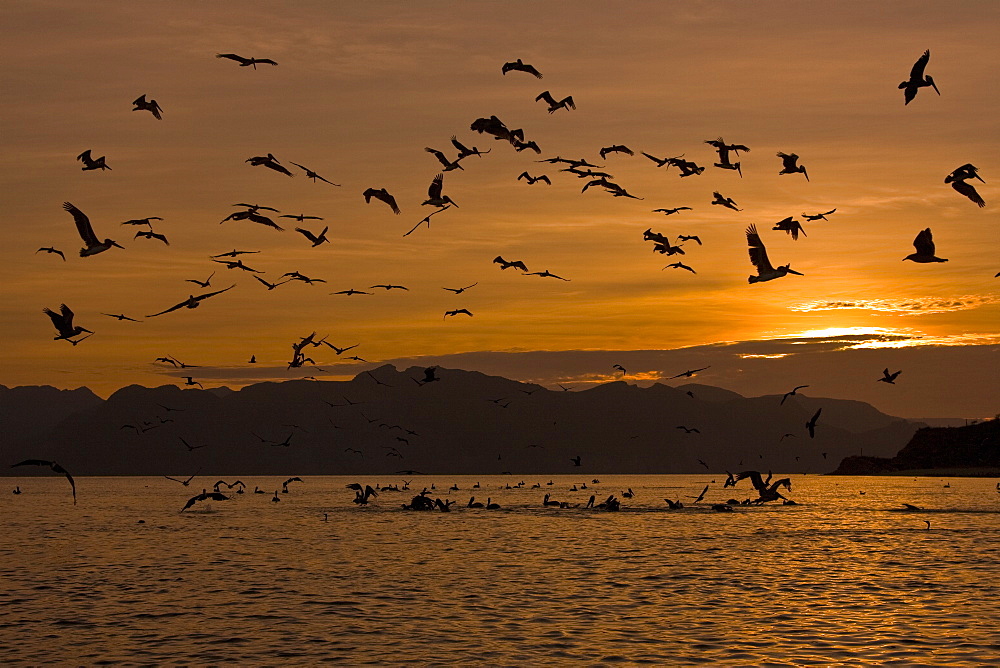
362 88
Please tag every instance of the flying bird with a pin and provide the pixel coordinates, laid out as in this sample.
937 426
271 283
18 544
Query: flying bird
301 217
189 380
382 195
120 316
791 226
186 481
270 162
532 180
350 292
790 164
150 234
565 103
310 174
52 465
818 216
918 79
192 301
141 104
447 164
958 178
669 212
724 201
459 291
792 393
204 284
924 245
682 238
679 265
434 196
90 163
205 496
50 250
63 322
92 245
388 286
575 460
690 372
758 258
457 311
504 264
617 148
619 367
546 274
811 425
700 496
464 151
519 66
889 378
246 62
315 239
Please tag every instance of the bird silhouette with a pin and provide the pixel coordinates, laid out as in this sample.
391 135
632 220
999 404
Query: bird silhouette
192 301
204 496
791 226
246 62
519 66
727 202
382 195
565 103
189 380
619 367
790 165
448 165
120 316
150 234
532 180
56 467
546 274
63 322
616 148
679 265
270 162
434 196
958 179
811 425
758 258
51 250
575 460
314 238
459 291
670 212
457 312
917 79
504 264
185 481
90 163
924 245
141 104
690 372
818 216
792 393
464 151
310 174
92 246
203 284
889 378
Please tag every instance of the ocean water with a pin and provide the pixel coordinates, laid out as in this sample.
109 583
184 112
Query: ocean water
842 578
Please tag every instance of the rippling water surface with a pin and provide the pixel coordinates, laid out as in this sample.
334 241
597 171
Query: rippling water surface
841 578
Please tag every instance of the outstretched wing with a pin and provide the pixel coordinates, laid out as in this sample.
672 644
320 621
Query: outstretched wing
83 225
924 242
546 96
969 191
232 56
307 234
758 254
212 294
434 190
917 71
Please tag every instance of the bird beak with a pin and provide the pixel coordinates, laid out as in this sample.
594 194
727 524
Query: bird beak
797 273
115 243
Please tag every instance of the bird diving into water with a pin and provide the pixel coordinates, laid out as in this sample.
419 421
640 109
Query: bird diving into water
52 465
246 62
758 258
63 322
918 79
192 301
141 104
93 246
924 245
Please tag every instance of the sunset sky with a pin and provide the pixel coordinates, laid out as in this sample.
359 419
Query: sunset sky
362 88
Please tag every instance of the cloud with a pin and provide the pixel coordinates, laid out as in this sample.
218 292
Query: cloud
911 306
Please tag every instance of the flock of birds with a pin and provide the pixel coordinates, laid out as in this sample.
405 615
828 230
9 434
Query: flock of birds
728 159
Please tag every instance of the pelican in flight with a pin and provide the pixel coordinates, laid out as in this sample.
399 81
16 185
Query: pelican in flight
448 165
818 216
758 258
519 66
724 201
189 380
532 180
192 301
546 274
204 496
789 162
789 394
63 322
668 212
766 490
889 377
150 234
51 250
679 265
315 239
90 163
790 225
52 465
619 367
141 104
924 245
459 291
310 174
690 372
383 195
811 425
93 245
434 196
185 481
617 148
120 316
958 178
504 264
464 151
202 284
246 62
918 79
458 311
565 103
270 162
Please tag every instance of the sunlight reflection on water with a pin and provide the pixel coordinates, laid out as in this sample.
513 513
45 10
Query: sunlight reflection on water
843 577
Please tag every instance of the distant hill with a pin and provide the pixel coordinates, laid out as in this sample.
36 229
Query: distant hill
384 421
970 450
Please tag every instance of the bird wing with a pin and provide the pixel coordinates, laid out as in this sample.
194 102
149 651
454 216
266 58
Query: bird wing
969 191
758 254
233 56
917 71
172 308
57 320
546 96
530 70
518 264
434 190
212 294
32 462
83 225
267 61
307 234
388 199
568 101
67 315
924 242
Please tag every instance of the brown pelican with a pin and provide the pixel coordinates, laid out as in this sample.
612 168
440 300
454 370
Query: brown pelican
187 481
142 221
682 238
918 79
464 151
150 234
758 258
679 265
524 145
617 148
565 103
924 245
789 164
690 372
457 311
811 425
310 174
724 201
203 284
253 217
700 496
547 502
86 230
246 62
141 104
434 196
239 265
63 322
192 301
382 195
447 164
575 460
492 506
204 496
90 163
532 180
315 239
52 465
818 216
270 162
790 225
519 66
50 249
546 274
459 291
668 212
120 316
504 264
350 291
889 377
789 394
189 380
958 178
767 491
619 367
